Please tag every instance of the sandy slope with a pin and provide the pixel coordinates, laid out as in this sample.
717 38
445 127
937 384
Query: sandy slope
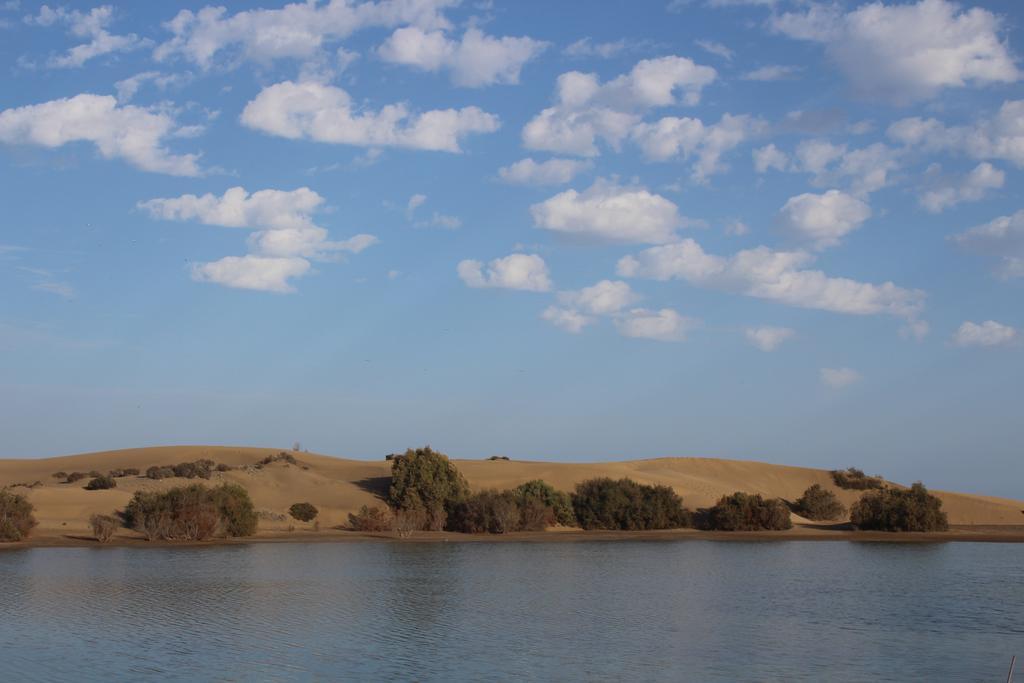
338 486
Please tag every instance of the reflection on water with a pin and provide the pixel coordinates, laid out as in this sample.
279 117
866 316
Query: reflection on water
674 611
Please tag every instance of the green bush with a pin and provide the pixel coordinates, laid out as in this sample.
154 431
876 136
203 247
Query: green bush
624 504
103 527
818 503
304 512
198 469
852 478
101 482
891 509
370 519
425 480
192 513
16 519
746 512
559 502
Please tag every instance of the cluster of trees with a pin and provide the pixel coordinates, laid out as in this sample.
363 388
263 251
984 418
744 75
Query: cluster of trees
16 518
892 509
197 469
104 481
192 513
748 512
72 477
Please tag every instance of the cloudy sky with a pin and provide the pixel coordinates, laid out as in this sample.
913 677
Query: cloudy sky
764 229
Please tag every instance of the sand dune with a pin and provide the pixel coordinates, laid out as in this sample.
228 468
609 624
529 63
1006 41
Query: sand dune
338 486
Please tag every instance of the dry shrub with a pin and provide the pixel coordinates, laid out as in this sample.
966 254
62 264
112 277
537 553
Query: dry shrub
853 478
912 509
818 503
16 519
624 504
279 457
192 513
304 512
370 519
746 512
103 527
100 483
406 522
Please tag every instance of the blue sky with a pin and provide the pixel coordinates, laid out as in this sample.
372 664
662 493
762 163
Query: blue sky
784 231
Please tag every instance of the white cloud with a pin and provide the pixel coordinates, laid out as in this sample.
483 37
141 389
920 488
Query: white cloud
672 136
909 52
823 219
988 333
284 234
865 170
415 201
610 212
772 72
915 329
516 271
1003 237
476 60
769 156
607 297
132 133
325 113
661 325
440 220
971 188
774 275
768 338
838 378
252 272
717 49
92 26
585 47
550 172
126 88
566 319
587 110
298 30
998 137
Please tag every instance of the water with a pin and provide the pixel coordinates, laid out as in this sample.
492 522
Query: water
671 611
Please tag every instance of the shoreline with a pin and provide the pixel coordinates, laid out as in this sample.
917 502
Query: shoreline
959 534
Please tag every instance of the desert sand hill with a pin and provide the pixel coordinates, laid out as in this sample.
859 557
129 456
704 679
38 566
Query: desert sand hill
338 486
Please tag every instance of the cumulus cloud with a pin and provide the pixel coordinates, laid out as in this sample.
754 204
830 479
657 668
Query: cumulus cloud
970 188
92 26
476 60
838 378
516 271
567 319
988 333
607 297
778 276
1000 136
299 30
550 172
768 338
610 212
1002 237
661 325
768 157
587 110
585 47
823 219
325 113
283 241
135 134
674 137
908 52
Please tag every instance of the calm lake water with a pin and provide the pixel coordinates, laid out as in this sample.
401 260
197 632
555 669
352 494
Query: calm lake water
672 611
